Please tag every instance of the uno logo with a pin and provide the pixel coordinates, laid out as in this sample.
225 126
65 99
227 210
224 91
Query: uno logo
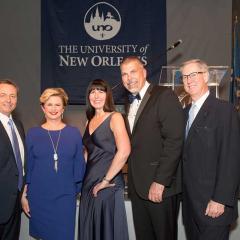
102 21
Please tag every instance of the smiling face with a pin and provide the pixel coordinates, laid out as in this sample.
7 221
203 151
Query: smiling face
195 79
133 75
8 98
97 98
53 108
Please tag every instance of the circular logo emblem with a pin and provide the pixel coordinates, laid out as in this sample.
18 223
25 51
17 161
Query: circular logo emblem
102 21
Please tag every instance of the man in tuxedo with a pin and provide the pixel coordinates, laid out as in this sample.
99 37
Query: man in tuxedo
156 127
11 163
211 159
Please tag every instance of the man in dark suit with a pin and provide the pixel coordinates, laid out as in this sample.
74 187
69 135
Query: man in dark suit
156 128
11 163
211 159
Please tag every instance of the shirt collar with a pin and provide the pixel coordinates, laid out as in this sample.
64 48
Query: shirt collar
144 89
4 119
201 100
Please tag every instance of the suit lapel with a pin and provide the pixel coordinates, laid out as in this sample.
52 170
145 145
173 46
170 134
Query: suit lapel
5 137
126 120
200 118
4 134
142 105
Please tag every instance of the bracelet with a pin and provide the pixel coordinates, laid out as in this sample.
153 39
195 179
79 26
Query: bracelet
106 180
24 195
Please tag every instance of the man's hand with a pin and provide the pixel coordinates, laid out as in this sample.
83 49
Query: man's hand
214 209
155 192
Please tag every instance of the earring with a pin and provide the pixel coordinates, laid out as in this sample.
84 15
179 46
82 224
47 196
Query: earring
62 115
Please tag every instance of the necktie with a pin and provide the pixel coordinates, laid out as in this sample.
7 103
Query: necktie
17 154
132 97
191 116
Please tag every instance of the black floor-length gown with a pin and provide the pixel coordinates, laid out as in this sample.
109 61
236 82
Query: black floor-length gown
102 217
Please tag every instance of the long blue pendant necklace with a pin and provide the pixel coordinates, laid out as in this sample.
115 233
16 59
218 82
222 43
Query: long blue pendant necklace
55 148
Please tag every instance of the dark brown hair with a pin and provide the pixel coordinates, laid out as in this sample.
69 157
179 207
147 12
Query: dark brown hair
102 85
9 82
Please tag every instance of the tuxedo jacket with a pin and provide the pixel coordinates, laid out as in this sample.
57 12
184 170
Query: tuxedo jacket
8 173
211 162
156 143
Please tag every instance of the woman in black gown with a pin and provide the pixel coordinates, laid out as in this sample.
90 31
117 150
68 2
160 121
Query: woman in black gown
102 211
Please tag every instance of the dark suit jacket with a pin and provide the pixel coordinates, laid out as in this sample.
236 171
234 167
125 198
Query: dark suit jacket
211 162
8 173
156 143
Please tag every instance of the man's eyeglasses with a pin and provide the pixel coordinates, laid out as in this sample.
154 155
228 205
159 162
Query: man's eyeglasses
192 75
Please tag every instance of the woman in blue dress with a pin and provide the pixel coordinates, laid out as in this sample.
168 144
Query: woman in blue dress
102 210
55 168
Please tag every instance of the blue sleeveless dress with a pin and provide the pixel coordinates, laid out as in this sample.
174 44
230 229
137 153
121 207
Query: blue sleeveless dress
102 217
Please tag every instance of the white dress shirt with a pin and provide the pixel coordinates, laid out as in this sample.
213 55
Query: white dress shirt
200 102
135 105
4 119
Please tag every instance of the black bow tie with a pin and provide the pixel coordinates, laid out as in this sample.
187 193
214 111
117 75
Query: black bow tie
132 97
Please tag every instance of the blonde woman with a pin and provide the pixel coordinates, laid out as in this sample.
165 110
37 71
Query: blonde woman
54 171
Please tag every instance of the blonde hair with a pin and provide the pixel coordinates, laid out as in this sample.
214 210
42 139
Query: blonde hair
49 92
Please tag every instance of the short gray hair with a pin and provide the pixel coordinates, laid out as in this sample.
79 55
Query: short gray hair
202 65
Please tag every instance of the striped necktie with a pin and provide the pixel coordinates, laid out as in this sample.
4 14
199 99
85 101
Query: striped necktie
191 116
17 154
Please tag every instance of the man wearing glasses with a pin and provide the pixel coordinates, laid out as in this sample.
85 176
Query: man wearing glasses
211 158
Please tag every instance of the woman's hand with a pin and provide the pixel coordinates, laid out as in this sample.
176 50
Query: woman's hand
101 185
25 205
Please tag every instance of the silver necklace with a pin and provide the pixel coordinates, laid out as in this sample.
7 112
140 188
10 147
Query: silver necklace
55 148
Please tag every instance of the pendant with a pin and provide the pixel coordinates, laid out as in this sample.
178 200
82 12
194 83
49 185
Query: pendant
55 156
56 166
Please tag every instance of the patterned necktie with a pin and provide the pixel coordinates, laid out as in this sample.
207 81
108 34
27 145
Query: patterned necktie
191 116
132 97
17 154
